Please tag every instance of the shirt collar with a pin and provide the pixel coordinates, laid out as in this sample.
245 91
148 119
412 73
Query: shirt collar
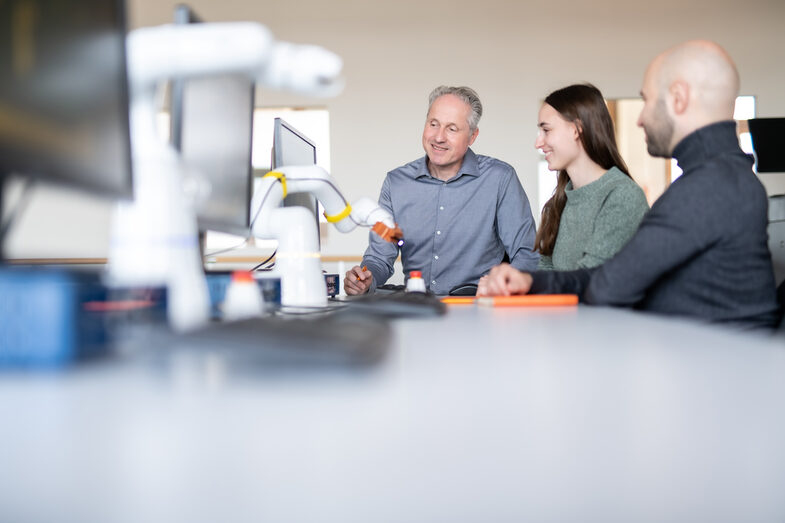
470 166
709 141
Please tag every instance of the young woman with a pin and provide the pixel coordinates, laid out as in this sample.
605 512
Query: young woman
596 207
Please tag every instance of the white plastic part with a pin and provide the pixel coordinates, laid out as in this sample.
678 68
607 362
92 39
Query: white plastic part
307 69
367 212
172 51
154 238
243 300
415 284
314 180
297 260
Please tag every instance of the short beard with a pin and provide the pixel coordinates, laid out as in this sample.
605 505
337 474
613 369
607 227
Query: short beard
660 132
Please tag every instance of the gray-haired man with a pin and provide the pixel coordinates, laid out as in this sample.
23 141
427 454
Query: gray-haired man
460 212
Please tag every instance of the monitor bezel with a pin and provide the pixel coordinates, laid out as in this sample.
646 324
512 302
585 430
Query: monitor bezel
278 124
184 14
65 176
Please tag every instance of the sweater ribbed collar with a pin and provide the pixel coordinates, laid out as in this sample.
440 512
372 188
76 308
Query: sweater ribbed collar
705 143
589 190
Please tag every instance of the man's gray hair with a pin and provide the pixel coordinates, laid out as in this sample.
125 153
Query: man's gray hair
467 94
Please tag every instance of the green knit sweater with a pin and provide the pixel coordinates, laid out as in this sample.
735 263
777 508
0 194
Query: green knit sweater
597 221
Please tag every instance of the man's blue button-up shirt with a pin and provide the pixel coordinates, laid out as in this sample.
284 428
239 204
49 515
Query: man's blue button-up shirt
454 231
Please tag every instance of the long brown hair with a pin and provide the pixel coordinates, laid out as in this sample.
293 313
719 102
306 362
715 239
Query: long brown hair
584 106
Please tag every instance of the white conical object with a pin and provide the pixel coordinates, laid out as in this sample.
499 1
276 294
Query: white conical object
243 298
415 282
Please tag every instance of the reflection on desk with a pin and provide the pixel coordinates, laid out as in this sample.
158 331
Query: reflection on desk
575 414
281 343
398 304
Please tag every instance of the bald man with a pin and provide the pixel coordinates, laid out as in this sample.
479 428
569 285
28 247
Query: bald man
701 251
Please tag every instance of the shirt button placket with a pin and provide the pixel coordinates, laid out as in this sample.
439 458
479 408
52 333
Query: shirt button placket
437 239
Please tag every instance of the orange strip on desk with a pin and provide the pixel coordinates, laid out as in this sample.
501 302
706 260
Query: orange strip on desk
532 300
459 300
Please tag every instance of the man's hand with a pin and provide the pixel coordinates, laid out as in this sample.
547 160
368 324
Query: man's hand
357 281
504 280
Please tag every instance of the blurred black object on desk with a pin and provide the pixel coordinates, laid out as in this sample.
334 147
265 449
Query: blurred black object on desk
273 343
396 304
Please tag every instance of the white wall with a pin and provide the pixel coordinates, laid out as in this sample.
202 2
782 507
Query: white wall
513 52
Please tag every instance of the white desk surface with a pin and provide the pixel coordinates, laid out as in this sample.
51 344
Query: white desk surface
583 414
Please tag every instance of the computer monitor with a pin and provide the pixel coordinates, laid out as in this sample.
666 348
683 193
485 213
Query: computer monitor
64 94
291 147
212 127
768 141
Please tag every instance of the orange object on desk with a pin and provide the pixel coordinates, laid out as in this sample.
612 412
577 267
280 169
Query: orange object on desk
459 300
531 300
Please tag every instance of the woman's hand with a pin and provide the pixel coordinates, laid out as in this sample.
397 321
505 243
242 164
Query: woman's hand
504 280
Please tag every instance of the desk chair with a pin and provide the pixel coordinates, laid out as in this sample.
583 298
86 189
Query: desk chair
776 232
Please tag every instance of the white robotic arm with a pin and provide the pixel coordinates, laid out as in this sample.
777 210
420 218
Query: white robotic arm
312 179
154 238
174 51
298 260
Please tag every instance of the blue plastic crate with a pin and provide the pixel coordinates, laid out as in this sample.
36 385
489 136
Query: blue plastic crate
53 317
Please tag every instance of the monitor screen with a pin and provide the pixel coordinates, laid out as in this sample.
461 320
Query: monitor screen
768 141
291 147
64 93
182 15
212 126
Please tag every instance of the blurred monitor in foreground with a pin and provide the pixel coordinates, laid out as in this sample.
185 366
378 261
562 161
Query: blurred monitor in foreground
212 127
64 93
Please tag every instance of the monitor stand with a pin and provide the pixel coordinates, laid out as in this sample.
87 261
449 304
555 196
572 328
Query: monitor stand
202 244
2 218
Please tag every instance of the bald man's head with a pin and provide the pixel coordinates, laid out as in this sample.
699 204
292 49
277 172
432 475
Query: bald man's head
708 70
687 87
